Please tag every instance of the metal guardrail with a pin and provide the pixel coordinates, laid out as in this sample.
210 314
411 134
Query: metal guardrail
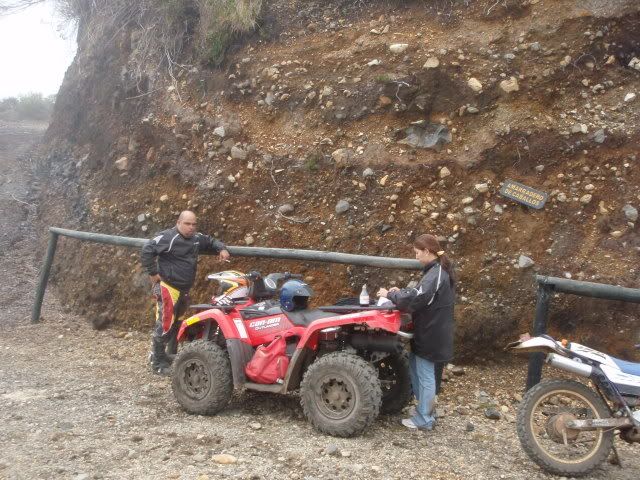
590 289
550 285
257 252
546 285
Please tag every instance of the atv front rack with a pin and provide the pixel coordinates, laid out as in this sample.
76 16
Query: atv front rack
208 306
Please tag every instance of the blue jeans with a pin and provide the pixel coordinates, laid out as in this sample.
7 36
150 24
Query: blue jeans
423 381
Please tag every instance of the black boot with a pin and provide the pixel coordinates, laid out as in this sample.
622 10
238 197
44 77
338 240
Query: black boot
172 348
160 363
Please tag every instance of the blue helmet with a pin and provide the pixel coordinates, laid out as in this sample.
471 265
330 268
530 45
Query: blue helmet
294 295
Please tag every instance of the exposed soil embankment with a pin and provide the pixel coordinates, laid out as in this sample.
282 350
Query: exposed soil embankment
411 114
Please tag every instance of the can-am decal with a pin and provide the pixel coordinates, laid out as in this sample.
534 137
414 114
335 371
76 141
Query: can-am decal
265 323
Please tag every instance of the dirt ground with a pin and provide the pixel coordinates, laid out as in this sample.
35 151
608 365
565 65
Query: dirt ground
76 403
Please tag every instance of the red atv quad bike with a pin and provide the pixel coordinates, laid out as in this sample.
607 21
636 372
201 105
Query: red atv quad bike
348 361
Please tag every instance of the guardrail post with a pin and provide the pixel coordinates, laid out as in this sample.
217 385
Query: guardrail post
44 277
536 360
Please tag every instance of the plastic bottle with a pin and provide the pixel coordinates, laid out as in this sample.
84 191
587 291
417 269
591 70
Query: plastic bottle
364 296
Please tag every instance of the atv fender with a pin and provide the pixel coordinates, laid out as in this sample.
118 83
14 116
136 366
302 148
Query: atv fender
308 344
226 324
240 354
301 359
377 319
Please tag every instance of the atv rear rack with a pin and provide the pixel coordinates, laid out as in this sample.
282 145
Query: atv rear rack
330 308
354 308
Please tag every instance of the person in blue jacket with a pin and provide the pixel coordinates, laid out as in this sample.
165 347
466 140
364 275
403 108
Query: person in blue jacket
431 305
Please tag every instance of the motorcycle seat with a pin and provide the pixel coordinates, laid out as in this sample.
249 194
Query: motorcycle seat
303 318
631 368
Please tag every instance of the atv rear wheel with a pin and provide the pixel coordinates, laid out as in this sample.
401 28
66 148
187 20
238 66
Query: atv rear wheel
341 394
201 379
395 380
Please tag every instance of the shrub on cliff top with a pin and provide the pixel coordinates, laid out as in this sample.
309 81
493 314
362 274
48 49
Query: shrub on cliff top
221 21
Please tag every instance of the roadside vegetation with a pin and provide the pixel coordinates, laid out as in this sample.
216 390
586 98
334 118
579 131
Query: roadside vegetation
163 30
33 106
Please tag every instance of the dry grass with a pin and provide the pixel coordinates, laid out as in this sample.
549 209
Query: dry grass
221 21
161 31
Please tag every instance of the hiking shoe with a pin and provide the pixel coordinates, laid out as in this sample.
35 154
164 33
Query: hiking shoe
162 371
407 422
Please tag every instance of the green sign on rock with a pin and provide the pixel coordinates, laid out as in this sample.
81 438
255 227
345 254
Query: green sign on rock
522 194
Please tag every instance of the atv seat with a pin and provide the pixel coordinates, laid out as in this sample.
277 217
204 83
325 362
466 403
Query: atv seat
264 309
303 318
631 368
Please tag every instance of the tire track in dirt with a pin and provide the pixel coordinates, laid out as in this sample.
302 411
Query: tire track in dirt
17 239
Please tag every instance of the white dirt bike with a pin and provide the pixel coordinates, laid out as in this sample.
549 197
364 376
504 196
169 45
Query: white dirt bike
567 427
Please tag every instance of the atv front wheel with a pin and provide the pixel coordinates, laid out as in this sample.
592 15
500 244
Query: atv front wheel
201 379
341 394
542 424
395 380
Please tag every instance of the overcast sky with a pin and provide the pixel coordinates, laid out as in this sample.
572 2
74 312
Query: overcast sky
33 53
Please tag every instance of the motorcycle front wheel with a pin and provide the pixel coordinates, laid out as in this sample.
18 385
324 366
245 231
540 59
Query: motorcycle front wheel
543 429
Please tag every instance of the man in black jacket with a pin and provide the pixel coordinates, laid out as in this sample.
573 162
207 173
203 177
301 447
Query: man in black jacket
171 260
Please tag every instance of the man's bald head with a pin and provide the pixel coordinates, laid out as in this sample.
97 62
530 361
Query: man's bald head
187 223
187 214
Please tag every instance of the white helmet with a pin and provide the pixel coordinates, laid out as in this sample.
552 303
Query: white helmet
233 284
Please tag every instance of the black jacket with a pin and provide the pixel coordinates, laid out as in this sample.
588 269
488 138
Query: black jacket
177 256
431 307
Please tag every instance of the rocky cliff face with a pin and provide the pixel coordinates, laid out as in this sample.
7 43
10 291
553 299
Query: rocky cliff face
353 126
